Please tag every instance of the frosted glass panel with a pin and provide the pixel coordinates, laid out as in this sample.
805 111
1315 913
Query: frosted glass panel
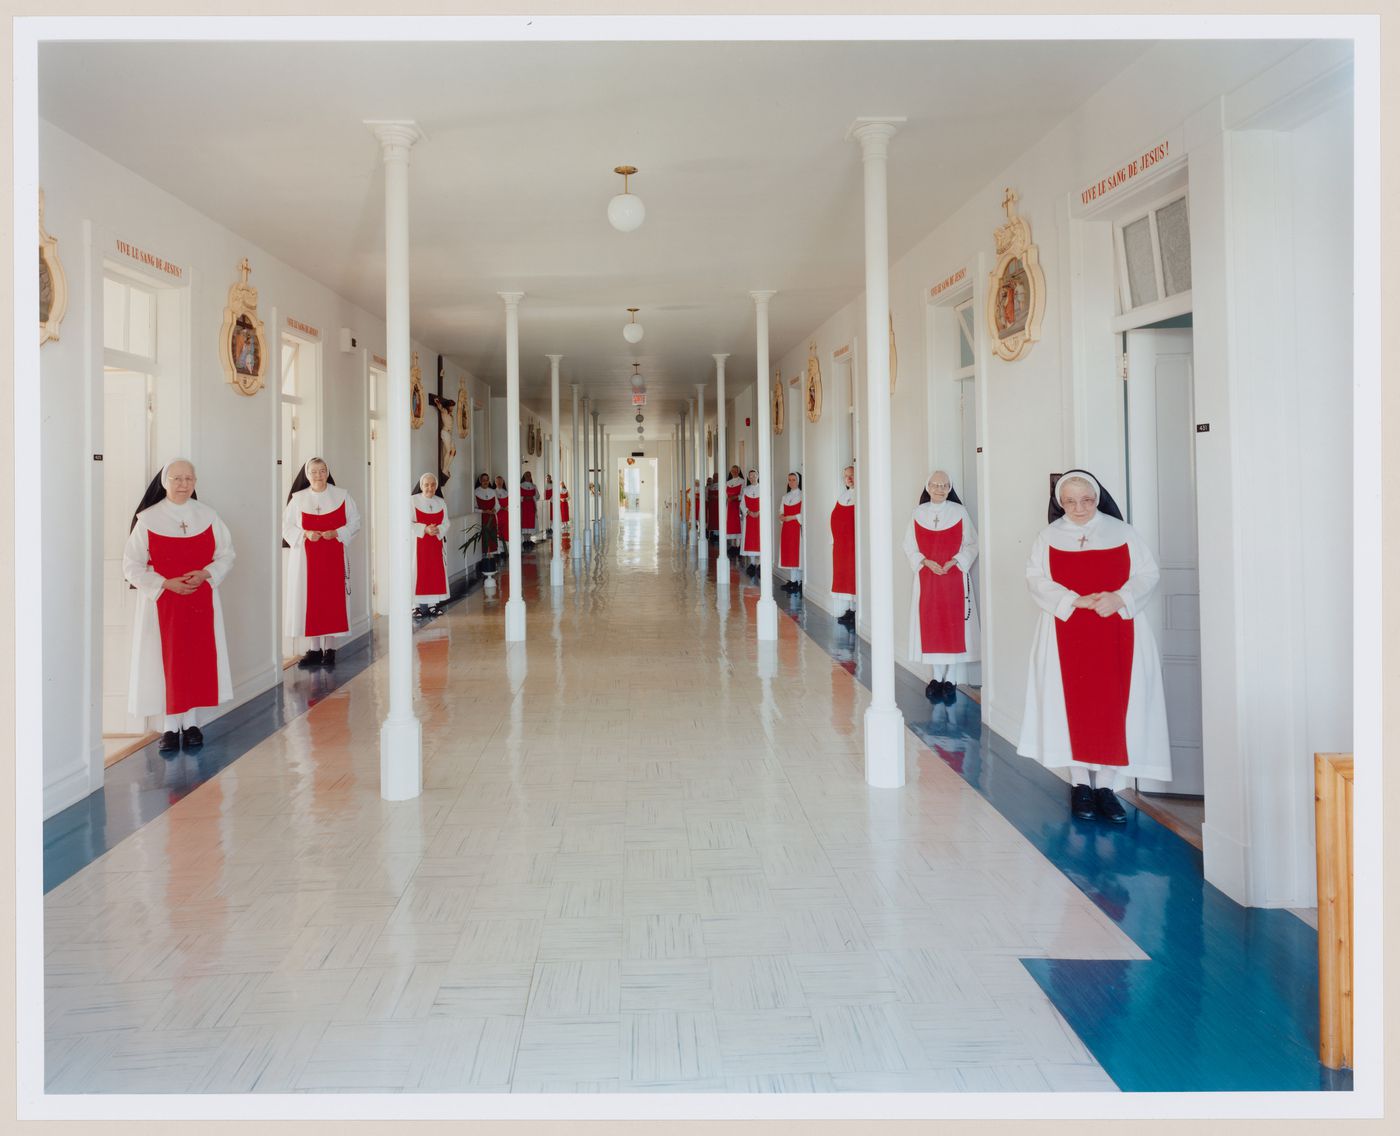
289 368
1174 233
113 315
964 348
139 334
1142 276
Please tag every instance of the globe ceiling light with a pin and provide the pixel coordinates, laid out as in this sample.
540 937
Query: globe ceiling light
639 418
632 332
626 211
638 383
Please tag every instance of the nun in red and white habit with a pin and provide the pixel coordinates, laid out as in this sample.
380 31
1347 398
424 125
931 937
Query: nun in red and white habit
790 537
733 520
502 508
430 528
319 521
753 504
176 556
1094 699
843 549
529 499
548 504
941 544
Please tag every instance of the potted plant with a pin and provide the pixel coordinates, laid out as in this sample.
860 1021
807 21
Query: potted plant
476 535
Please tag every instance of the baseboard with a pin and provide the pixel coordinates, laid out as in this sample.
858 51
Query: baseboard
69 789
1226 863
999 722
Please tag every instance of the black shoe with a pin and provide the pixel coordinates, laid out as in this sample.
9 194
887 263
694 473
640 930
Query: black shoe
192 738
1109 807
950 693
847 620
328 658
169 742
1081 802
420 613
436 609
750 571
310 659
934 690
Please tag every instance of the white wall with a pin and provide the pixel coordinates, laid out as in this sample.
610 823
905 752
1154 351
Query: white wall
92 203
1271 363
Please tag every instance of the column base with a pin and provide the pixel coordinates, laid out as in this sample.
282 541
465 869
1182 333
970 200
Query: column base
400 759
884 748
556 572
767 618
515 620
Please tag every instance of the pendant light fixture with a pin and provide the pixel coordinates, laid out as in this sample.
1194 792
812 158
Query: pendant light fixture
626 211
638 383
632 332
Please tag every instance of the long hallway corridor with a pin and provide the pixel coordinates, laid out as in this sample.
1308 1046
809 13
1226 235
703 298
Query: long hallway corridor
637 864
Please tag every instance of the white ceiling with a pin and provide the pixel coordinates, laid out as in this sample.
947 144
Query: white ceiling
744 167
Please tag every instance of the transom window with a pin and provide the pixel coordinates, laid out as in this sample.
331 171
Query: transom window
1153 247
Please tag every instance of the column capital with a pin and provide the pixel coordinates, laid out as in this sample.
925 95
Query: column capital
874 132
554 358
762 298
395 136
700 386
512 299
720 358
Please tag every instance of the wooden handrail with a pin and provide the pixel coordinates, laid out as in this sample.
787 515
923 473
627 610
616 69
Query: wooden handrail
1333 797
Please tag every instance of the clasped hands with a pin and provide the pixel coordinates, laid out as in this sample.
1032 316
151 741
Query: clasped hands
939 569
1104 603
186 584
329 534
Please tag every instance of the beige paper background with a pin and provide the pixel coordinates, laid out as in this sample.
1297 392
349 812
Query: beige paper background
1389 10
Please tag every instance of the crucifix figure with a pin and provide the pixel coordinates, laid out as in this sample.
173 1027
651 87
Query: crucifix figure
1083 539
184 529
245 268
1009 200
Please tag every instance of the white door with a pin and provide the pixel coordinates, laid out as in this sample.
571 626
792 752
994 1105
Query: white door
966 479
125 475
1162 507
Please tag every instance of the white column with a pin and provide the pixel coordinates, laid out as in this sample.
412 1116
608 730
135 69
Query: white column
721 477
767 608
884 724
581 505
702 546
556 563
401 735
598 464
515 605
575 540
686 503
675 478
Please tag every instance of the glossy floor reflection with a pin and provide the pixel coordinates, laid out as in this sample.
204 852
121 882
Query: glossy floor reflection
645 859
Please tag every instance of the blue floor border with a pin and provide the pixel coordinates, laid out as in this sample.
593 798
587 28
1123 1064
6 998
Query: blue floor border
146 783
1227 1000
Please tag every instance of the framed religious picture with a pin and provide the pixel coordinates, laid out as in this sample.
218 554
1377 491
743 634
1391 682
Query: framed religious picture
1016 294
813 386
530 440
778 403
416 397
242 342
464 410
53 283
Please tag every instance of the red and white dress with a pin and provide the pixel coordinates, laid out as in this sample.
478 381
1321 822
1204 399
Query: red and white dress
529 499
753 502
429 551
943 627
318 577
563 504
733 520
486 506
549 504
1094 692
843 549
179 656
503 512
790 546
